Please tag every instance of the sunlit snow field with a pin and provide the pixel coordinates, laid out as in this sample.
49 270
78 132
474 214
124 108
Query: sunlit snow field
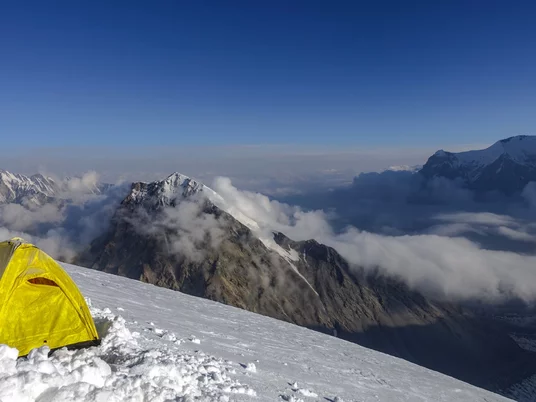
161 345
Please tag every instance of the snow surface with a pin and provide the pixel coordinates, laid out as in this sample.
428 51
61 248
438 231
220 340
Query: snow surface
162 345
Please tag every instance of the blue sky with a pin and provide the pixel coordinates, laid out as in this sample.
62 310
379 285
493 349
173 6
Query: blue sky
337 74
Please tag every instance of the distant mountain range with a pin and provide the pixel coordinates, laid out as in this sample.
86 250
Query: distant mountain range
17 188
37 189
507 166
180 234
176 233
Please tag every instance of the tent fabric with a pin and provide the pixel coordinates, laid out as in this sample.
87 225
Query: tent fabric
39 303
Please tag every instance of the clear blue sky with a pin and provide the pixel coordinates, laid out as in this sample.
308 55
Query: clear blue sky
359 73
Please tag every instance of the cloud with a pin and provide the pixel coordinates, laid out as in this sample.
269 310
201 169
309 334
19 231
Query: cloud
64 226
187 229
446 267
484 224
20 218
529 194
434 236
440 265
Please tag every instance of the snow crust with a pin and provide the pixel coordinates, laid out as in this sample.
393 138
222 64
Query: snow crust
162 345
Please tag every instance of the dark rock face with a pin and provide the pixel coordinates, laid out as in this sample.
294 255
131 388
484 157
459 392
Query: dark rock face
240 271
226 262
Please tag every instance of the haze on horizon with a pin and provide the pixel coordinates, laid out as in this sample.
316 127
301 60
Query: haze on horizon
252 91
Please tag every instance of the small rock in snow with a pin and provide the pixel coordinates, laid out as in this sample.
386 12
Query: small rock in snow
251 367
159 332
291 398
170 336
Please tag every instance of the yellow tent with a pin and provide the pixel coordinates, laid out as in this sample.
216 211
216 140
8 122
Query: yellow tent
39 303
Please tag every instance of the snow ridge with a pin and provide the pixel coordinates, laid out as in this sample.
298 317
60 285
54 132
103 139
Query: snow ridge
17 186
38 189
507 166
521 149
172 189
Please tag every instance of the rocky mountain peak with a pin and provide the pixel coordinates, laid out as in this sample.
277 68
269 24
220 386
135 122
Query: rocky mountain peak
20 188
166 192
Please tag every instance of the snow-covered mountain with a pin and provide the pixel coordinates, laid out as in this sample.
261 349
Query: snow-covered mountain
169 191
18 188
506 166
160 345
179 234
37 190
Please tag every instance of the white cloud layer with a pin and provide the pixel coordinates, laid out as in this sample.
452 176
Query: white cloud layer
447 267
441 261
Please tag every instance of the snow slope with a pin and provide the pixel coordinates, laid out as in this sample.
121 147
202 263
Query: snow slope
162 345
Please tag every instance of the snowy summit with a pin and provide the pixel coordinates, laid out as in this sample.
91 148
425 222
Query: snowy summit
506 166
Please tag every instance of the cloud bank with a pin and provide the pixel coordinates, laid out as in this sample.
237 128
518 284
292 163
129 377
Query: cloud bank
436 238
440 263
66 225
